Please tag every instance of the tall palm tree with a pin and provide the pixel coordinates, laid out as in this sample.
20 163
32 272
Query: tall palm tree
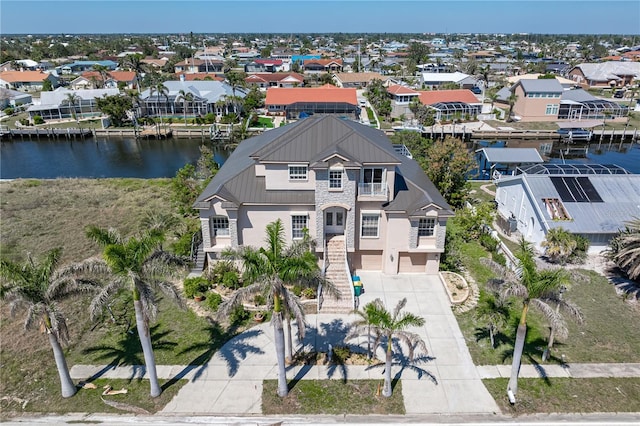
512 99
135 64
367 316
38 287
72 99
492 310
103 71
161 91
186 98
389 325
139 265
539 289
624 249
268 270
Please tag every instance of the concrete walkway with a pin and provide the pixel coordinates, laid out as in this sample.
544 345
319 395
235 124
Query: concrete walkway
448 382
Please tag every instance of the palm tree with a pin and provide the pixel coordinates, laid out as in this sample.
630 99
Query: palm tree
390 325
72 99
537 289
135 64
367 316
492 310
512 99
268 270
104 73
559 244
161 91
139 265
624 249
186 98
38 287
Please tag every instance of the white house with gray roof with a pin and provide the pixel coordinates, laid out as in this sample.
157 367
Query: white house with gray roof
364 204
593 201
605 74
207 97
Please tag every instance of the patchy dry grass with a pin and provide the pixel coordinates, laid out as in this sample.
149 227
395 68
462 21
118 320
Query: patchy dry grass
38 215
563 395
331 397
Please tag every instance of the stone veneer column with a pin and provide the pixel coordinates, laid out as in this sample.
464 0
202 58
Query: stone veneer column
345 197
413 234
205 224
441 231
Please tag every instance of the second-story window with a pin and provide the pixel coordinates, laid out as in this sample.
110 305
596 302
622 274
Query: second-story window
297 172
426 227
335 179
220 226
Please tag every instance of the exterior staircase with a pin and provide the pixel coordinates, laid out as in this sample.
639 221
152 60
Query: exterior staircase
198 263
339 275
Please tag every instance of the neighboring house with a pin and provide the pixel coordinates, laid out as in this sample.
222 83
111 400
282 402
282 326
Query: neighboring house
266 80
452 104
401 98
565 82
605 74
155 63
578 104
505 161
593 201
336 179
82 66
264 65
115 79
208 97
537 100
300 102
27 81
433 80
195 76
13 98
193 65
358 80
53 105
322 65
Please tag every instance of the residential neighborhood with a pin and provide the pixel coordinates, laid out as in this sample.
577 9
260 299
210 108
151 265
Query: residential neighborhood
355 227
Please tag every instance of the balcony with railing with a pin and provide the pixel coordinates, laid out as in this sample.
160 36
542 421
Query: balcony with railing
371 190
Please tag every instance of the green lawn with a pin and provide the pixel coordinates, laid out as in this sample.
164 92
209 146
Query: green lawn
478 194
331 397
610 332
563 395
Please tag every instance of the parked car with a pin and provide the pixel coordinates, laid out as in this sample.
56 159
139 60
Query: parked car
476 90
619 94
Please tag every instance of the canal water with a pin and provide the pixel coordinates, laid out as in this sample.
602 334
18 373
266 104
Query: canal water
99 157
127 157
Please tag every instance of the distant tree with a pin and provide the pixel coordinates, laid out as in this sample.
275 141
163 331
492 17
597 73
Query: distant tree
265 52
512 99
135 64
448 164
418 53
103 71
47 86
116 107
186 98
72 99
253 100
191 180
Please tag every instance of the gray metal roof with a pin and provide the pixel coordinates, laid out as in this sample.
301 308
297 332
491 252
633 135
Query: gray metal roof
313 139
577 95
541 85
620 194
511 155
610 70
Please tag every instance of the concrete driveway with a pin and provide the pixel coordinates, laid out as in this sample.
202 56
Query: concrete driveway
448 383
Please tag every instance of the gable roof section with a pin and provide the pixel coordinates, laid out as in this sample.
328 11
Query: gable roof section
357 77
323 62
454 77
607 71
435 96
276 76
542 85
116 75
23 76
397 89
326 93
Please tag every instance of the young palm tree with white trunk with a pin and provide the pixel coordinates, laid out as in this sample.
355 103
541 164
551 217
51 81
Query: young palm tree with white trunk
269 270
37 287
389 326
538 289
139 265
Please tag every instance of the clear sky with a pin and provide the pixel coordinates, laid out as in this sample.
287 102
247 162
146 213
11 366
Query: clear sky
302 16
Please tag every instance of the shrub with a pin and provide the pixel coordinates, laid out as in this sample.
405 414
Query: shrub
25 122
488 242
499 258
309 293
37 119
212 302
259 299
219 269
297 290
209 118
231 280
195 285
8 110
579 254
238 315
229 118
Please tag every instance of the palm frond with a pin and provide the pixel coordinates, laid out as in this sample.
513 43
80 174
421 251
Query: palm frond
34 311
170 290
293 306
555 320
103 237
100 300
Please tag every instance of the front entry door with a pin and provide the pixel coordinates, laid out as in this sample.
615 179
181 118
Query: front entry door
334 220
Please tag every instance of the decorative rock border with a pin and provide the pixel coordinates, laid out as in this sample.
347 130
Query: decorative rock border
456 287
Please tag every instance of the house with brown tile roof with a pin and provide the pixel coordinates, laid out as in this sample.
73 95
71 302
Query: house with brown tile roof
302 101
193 65
93 80
322 65
26 81
266 80
451 104
401 98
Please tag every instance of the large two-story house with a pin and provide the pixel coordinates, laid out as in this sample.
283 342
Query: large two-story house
365 205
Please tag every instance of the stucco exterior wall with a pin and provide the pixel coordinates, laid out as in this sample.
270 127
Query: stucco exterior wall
337 198
533 109
277 177
253 221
